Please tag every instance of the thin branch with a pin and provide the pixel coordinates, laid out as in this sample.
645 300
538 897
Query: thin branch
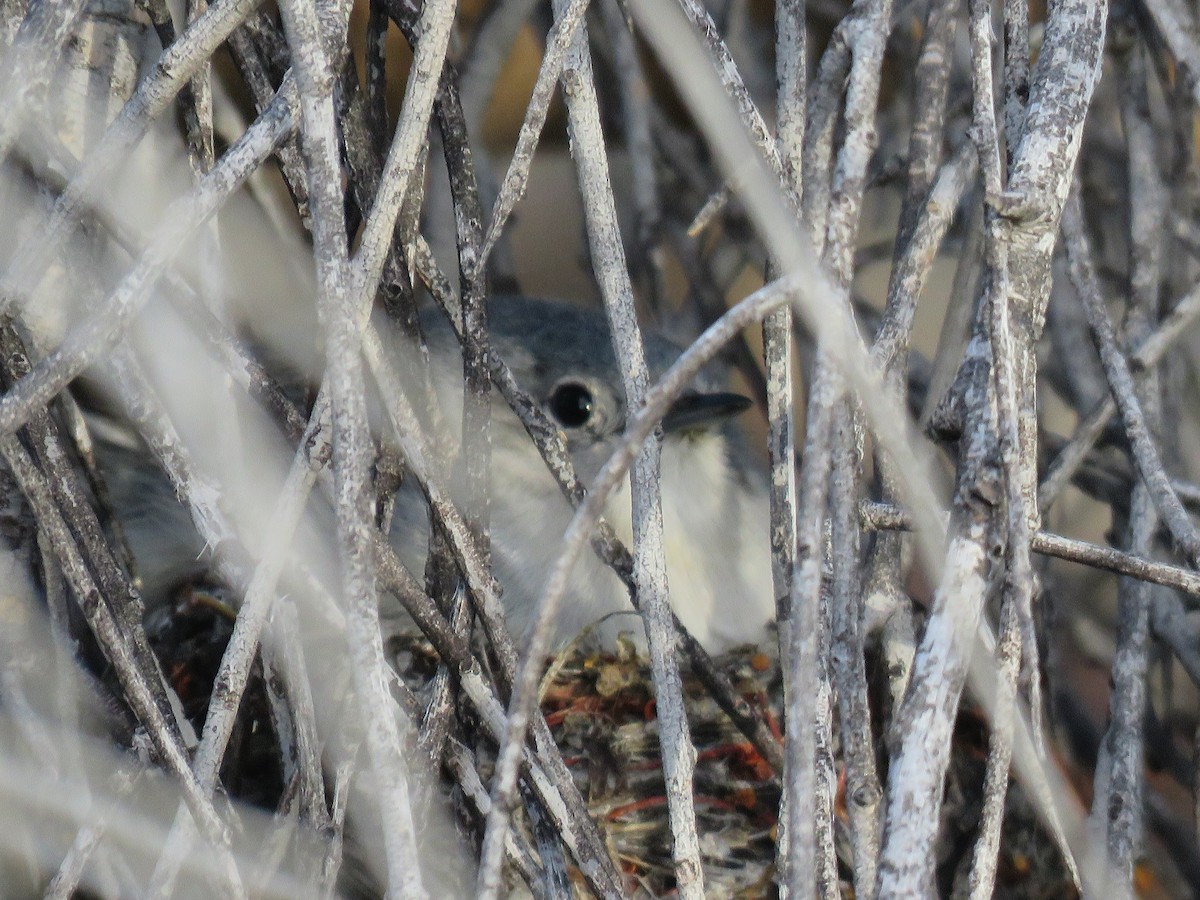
90 340
351 444
1120 378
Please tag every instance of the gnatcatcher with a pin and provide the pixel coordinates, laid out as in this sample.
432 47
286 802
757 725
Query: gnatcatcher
714 497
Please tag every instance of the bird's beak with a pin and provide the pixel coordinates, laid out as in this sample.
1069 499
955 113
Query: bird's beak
698 410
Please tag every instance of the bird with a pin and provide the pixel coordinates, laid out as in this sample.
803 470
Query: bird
714 490
714 487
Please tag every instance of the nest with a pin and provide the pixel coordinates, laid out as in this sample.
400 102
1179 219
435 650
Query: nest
600 708
602 713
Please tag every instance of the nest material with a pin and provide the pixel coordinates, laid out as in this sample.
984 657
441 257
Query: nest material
600 708
601 711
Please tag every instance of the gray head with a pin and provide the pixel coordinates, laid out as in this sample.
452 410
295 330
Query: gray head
562 355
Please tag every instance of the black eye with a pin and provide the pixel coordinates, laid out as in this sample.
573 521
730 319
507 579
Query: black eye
572 404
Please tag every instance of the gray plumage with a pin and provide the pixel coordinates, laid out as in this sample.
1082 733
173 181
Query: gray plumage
714 495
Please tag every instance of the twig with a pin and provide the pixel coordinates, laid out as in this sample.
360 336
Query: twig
66 880
635 94
925 217
29 62
1011 385
138 694
1178 30
1147 355
881 516
848 656
846 651
790 78
89 341
229 685
1116 366
649 561
806 689
351 443
1117 818
155 92
516 178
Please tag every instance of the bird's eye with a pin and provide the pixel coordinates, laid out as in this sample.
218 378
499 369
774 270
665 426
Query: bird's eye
572 404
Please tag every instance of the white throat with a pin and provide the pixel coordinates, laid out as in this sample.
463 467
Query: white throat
716 542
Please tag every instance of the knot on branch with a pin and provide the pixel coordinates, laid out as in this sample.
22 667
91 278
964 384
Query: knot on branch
1019 208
